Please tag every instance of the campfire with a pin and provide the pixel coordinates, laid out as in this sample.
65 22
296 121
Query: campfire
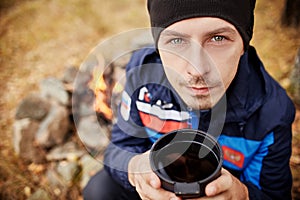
104 86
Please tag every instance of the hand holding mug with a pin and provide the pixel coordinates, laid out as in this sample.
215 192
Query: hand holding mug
145 181
225 187
186 161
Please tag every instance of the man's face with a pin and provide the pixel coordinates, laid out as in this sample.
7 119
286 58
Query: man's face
200 58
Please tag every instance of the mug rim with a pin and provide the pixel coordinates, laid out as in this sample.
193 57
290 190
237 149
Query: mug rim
187 131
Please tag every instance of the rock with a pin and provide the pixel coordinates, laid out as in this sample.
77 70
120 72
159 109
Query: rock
33 106
68 151
70 75
63 173
94 136
54 128
94 60
68 171
86 109
90 166
54 180
53 88
24 145
81 82
82 97
39 194
18 127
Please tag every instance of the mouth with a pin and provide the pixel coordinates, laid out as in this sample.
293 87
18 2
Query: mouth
200 90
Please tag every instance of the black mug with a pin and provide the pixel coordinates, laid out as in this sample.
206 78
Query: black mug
186 161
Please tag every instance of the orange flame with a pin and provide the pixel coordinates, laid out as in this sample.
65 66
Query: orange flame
101 103
103 88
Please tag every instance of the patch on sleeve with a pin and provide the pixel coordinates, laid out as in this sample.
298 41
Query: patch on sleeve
235 157
125 106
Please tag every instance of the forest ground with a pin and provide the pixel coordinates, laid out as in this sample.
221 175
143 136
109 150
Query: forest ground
40 38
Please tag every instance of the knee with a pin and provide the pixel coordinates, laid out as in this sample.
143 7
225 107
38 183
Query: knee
94 188
100 186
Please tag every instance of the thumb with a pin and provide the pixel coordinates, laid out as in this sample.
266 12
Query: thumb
154 181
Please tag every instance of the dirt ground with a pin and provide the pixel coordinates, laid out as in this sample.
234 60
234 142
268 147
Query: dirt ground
40 38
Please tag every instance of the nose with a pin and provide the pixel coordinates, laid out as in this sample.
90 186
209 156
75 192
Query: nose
199 62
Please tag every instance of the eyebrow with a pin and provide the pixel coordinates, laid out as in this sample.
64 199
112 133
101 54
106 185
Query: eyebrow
174 33
223 30
210 33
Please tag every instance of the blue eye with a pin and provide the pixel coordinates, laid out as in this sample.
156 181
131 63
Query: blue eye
218 38
176 41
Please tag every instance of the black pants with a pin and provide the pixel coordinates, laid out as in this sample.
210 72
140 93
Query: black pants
102 187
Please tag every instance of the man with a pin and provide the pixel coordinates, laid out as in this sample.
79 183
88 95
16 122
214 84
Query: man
201 74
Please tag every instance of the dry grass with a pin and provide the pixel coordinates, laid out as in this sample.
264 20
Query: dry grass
40 38
276 45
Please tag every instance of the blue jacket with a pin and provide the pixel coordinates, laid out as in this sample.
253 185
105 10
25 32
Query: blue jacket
252 123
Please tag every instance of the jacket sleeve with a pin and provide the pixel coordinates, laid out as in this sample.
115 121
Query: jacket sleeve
128 137
121 149
273 179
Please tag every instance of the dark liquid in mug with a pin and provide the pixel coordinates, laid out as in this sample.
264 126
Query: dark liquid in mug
187 167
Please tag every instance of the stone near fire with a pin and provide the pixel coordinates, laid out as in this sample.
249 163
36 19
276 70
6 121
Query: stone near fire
90 166
53 88
67 151
24 141
34 106
39 194
63 174
94 136
53 177
70 74
82 96
54 128
94 63
81 82
69 171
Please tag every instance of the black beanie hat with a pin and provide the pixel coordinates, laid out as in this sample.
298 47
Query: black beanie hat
239 13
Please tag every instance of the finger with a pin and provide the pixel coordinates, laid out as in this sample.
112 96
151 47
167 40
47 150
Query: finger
148 192
146 189
154 181
221 184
